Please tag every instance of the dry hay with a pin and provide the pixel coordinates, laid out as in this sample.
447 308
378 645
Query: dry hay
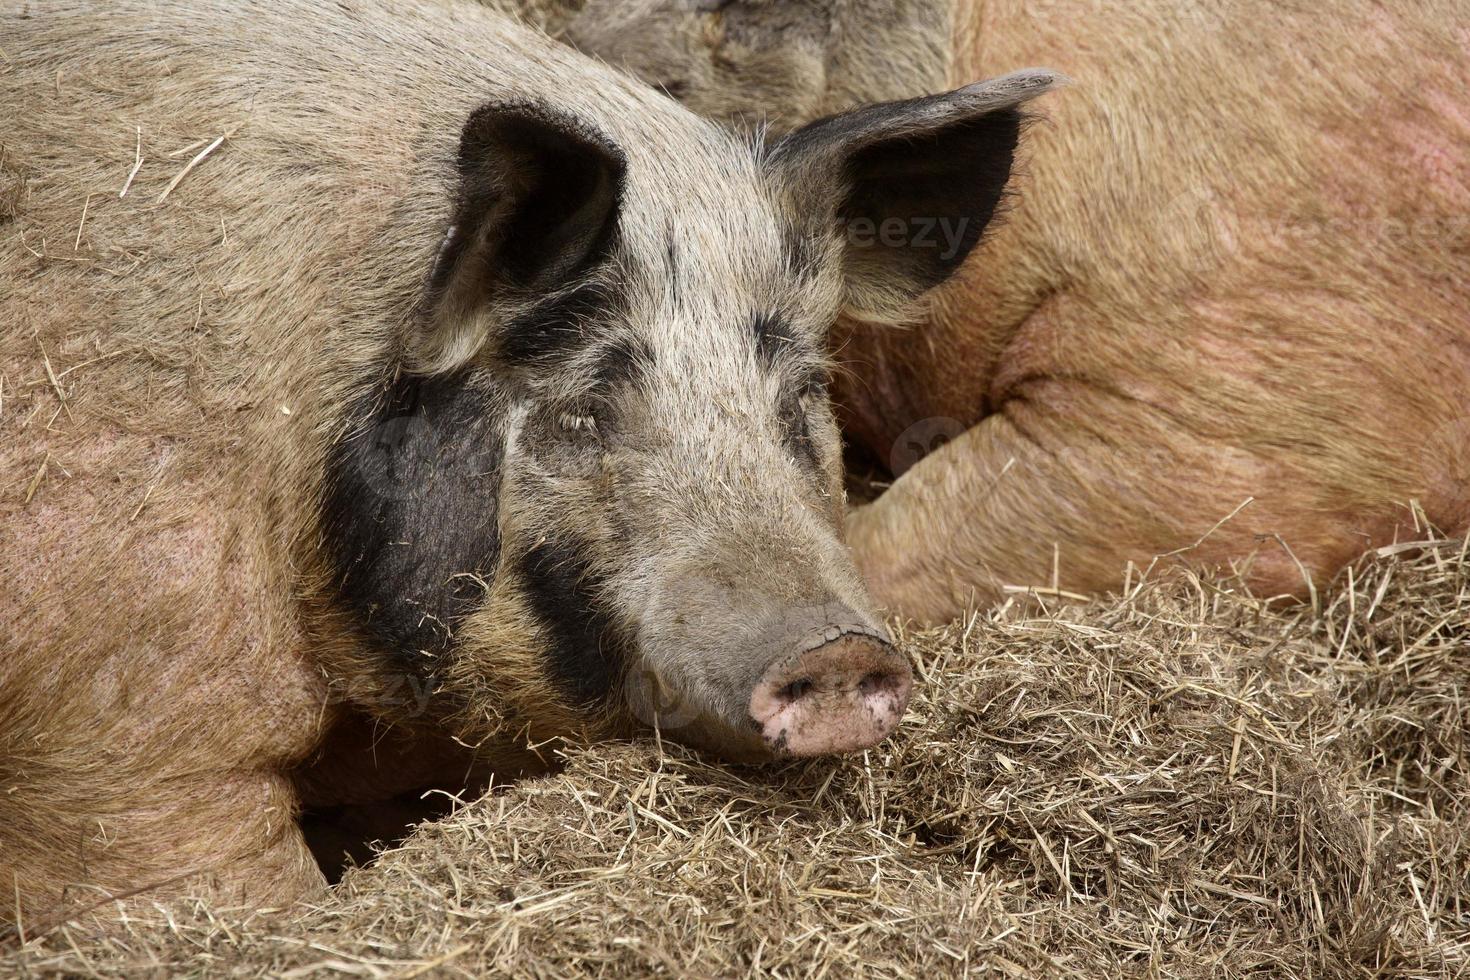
1181 782
12 187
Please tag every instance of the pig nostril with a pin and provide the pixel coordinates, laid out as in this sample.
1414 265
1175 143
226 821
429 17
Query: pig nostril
874 682
797 690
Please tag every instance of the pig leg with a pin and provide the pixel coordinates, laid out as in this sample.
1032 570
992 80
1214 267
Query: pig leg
1036 496
71 846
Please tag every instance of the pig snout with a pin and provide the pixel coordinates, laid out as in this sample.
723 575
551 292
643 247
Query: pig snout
844 689
770 657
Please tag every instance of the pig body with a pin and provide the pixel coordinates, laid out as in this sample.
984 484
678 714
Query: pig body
1226 320
384 389
751 63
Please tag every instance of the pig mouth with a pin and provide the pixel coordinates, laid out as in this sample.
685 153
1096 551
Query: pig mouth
845 689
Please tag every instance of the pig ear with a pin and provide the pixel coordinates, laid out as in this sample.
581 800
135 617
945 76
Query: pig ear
916 184
538 204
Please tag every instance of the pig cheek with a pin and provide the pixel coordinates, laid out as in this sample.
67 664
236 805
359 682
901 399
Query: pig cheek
500 676
553 613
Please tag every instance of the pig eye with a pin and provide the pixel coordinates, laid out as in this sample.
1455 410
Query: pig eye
796 428
797 411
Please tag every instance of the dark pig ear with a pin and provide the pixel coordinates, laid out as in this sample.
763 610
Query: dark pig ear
537 208
912 184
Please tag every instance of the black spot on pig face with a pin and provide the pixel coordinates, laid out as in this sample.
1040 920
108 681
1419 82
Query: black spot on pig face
409 515
586 648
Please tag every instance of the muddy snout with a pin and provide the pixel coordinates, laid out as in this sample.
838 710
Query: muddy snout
843 689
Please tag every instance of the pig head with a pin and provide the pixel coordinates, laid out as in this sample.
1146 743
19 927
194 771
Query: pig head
601 485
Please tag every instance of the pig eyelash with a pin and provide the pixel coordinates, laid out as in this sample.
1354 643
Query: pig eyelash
794 415
580 424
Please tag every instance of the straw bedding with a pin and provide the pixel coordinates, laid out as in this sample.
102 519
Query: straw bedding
1179 781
